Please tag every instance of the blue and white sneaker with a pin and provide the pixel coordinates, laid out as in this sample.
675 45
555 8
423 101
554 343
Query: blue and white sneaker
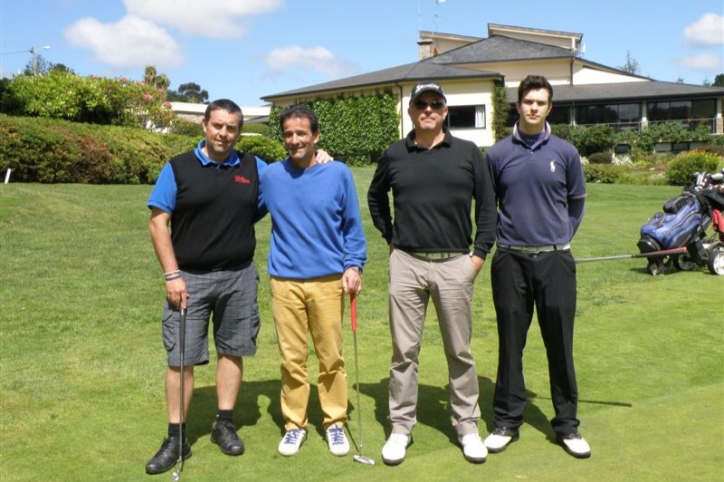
337 441
292 442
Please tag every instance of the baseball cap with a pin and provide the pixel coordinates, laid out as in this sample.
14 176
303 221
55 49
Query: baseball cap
427 86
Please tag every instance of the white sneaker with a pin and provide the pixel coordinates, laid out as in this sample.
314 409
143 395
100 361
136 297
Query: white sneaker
473 448
337 441
292 442
575 445
500 438
393 453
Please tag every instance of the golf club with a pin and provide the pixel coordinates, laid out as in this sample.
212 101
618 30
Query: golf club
652 254
358 457
182 347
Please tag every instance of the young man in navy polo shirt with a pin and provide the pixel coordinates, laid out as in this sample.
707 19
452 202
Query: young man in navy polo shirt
540 192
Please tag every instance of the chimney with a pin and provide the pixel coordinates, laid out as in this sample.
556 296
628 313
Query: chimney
426 48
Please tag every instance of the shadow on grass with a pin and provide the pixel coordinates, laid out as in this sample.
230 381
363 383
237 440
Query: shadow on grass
247 412
433 408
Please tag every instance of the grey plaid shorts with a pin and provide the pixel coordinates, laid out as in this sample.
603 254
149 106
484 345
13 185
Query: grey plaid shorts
227 298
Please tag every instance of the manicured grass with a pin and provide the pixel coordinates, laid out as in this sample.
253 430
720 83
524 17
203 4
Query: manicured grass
82 363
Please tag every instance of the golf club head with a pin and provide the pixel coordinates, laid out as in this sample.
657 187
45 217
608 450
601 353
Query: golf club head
363 460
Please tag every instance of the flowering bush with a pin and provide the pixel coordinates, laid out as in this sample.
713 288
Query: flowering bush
92 99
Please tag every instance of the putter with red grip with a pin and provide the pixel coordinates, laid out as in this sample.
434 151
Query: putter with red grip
358 457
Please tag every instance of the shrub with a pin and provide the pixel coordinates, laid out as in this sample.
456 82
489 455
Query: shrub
257 128
53 151
186 128
717 149
269 150
93 100
592 139
600 158
679 172
562 130
716 140
602 173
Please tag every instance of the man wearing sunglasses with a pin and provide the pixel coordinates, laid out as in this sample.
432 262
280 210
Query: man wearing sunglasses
434 178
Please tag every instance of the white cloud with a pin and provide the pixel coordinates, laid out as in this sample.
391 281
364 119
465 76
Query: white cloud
130 42
707 31
318 59
213 19
711 63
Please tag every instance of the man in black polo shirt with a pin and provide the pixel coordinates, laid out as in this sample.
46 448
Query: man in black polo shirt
434 177
202 227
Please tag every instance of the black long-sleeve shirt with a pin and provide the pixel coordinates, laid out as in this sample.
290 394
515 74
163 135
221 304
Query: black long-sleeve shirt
433 192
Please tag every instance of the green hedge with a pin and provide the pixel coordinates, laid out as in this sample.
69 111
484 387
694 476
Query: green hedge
354 129
56 151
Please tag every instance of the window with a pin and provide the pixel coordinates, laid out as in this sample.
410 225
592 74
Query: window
608 114
466 116
690 113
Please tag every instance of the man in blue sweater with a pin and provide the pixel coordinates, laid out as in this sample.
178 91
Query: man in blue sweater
316 255
540 192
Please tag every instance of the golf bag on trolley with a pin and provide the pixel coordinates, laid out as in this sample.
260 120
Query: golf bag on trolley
683 223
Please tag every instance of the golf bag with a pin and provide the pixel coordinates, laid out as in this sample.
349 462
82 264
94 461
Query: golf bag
677 226
683 224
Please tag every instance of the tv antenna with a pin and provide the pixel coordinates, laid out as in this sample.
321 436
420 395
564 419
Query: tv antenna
437 15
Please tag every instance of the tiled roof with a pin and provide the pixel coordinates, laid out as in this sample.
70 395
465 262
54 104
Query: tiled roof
500 49
408 72
621 91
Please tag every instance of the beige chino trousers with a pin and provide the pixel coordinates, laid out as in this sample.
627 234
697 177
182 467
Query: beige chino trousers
413 281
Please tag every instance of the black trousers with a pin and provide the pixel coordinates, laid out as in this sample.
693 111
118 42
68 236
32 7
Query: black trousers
547 282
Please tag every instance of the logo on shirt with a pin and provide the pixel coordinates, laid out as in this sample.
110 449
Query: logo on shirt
241 180
553 165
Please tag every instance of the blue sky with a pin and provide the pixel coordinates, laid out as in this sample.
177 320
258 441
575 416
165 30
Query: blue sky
244 49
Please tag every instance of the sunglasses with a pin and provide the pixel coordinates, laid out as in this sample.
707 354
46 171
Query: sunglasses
435 104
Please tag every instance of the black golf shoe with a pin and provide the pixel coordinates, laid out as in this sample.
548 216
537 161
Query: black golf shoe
167 455
224 435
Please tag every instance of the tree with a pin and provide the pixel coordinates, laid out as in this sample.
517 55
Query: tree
61 68
154 79
189 92
719 80
632 65
37 65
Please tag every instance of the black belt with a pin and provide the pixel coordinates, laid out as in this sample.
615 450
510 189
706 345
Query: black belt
236 267
537 249
437 256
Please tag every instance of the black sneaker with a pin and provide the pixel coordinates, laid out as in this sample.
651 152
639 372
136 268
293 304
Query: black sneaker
167 455
224 435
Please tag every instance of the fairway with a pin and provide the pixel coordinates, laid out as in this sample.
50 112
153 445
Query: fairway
82 363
